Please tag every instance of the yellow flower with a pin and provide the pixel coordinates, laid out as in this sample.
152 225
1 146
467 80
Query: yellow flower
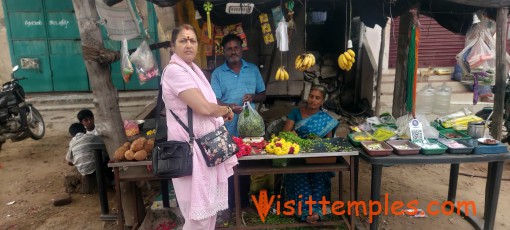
279 151
270 148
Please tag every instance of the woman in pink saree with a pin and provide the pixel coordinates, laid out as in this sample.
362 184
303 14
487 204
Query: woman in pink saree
205 192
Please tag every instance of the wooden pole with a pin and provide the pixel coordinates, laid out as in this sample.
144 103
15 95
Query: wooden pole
379 71
399 93
109 121
501 73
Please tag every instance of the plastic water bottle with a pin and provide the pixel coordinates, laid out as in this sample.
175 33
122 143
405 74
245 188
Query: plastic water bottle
442 97
425 99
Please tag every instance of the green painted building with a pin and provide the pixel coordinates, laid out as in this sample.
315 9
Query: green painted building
44 41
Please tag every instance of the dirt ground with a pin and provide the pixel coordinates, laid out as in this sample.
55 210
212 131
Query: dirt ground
31 174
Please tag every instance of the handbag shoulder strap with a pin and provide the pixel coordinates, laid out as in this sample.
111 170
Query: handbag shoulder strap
160 105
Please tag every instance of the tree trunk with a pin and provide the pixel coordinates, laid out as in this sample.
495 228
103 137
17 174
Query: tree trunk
399 94
501 73
379 72
109 121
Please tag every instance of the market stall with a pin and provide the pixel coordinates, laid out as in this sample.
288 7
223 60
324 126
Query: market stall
453 139
318 161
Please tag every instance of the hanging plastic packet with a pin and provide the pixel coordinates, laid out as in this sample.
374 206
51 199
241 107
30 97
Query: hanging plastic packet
125 65
250 123
146 65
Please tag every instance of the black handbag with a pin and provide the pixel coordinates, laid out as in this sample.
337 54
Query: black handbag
172 159
216 146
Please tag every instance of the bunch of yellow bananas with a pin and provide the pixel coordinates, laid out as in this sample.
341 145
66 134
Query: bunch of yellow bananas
281 74
346 60
304 61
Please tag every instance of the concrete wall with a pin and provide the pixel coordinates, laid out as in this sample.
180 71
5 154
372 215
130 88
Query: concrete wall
5 58
374 40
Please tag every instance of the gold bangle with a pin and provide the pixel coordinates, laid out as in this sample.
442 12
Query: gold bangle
228 110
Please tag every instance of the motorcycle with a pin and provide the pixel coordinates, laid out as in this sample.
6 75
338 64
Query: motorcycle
18 119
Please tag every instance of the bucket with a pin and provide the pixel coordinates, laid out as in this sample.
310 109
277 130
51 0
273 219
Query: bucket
476 129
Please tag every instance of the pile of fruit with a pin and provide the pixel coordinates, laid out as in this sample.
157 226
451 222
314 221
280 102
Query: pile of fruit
346 60
138 150
304 61
280 146
281 74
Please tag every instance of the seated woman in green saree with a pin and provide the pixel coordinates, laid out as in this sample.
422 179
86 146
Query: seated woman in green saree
307 121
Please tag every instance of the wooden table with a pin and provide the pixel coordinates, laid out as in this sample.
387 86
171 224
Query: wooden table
263 165
129 171
494 175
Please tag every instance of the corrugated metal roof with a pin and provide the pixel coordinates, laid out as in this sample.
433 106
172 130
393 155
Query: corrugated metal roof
438 46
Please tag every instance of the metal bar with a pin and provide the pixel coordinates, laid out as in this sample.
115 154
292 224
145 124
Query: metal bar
356 173
340 186
454 178
352 193
164 193
471 219
103 197
237 194
375 192
293 225
492 195
119 199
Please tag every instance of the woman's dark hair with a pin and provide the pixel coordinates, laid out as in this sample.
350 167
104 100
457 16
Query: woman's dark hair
231 37
84 113
177 30
76 128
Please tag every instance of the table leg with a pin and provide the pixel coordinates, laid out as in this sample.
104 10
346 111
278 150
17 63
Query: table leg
119 198
237 194
452 185
375 192
103 196
164 193
493 185
352 193
340 186
356 171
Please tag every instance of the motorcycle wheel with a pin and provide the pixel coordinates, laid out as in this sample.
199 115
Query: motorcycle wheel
36 128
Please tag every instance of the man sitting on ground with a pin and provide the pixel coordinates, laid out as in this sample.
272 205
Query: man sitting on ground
81 151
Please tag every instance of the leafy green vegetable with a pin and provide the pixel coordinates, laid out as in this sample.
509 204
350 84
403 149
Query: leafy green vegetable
250 123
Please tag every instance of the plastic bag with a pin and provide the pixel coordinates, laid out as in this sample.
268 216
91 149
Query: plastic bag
383 133
250 123
146 65
131 128
403 127
125 65
480 55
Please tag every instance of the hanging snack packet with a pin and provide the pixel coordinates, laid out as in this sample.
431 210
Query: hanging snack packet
146 66
250 123
125 65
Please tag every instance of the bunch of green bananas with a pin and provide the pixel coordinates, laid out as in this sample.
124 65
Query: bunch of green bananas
346 60
281 74
304 61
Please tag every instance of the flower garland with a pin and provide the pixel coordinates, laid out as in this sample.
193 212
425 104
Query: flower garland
244 149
